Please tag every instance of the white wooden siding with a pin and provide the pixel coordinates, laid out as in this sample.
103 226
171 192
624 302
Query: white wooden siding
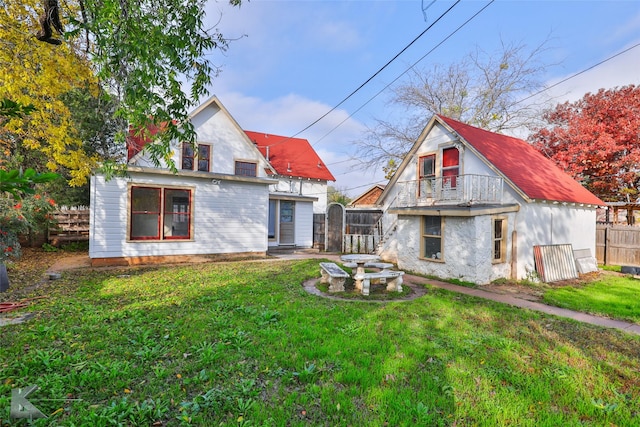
304 224
551 224
228 143
227 218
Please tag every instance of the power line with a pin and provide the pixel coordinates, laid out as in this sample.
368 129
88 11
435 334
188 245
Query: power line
405 71
565 79
373 76
576 74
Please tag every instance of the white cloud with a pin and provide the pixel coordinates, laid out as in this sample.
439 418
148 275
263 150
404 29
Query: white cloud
337 36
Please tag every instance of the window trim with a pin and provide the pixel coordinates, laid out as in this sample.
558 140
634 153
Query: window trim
503 240
440 236
419 173
195 160
160 236
446 169
245 162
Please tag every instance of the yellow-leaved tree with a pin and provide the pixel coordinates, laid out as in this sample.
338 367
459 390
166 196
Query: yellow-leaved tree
39 74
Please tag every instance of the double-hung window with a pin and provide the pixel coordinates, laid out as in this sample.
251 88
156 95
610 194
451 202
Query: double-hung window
426 173
499 240
196 158
431 246
159 213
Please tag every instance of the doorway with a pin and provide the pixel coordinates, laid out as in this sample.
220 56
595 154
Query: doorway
287 223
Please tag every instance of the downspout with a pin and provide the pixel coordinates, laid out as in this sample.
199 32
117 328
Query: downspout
514 249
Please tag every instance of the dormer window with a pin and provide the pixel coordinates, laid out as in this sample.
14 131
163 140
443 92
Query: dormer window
200 162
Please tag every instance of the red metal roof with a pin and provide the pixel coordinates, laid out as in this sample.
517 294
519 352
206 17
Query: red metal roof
291 156
534 174
137 138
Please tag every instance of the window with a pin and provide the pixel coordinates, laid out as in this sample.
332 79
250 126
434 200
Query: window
160 213
272 219
246 168
499 239
426 172
450 166
202 160
432 237
204 157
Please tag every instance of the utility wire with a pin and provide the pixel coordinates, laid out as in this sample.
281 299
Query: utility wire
576 74
406 71
373 76
553 85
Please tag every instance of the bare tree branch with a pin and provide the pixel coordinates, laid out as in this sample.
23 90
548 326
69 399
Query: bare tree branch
482 89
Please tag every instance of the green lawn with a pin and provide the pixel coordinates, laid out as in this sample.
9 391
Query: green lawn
242 344
610 295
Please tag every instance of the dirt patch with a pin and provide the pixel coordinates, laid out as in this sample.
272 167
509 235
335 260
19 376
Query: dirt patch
535 291
29 272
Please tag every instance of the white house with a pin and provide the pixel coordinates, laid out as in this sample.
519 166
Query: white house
301 189
470 204
218 202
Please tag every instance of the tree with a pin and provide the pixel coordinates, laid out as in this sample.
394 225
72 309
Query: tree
142 52
482 90
597 141
39 74
17 182
336 195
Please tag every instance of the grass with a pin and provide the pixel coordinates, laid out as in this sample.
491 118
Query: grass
242 344
610 295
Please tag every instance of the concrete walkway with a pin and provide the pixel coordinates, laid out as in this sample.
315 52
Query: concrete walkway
605 322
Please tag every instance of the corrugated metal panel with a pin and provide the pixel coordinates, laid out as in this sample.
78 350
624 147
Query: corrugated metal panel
555 262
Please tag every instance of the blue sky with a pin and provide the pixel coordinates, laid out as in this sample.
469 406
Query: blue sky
293 61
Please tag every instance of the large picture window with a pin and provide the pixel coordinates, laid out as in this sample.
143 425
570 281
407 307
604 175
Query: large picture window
432 237
200 162
160 213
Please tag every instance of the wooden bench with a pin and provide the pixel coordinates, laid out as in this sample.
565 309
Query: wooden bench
333 275
393 279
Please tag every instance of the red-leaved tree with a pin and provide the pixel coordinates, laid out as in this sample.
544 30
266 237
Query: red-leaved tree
597 141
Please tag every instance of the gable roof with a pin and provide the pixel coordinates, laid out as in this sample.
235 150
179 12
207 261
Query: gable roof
293 157
369 197
536 176
136 139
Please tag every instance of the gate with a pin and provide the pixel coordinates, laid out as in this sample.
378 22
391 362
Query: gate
335 227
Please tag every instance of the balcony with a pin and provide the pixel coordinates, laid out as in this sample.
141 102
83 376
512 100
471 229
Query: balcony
450 190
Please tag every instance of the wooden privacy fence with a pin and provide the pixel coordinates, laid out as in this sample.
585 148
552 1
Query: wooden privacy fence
360 243
318 231
347 230
363 230
618 245
69 225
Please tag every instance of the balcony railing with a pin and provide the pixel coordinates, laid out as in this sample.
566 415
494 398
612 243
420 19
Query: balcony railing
461 189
